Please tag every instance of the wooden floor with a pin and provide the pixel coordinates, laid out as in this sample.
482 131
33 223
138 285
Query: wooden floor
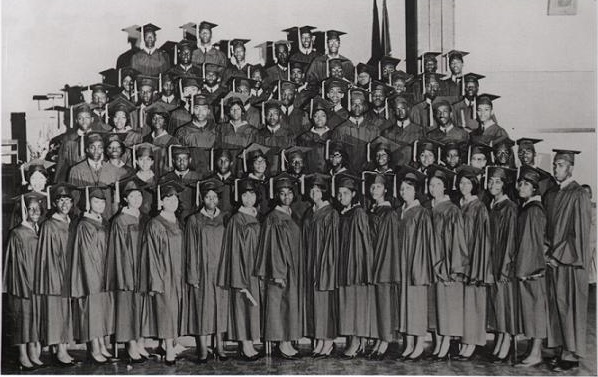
332 365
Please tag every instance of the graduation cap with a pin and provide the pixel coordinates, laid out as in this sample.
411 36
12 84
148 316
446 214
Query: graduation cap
294 33
251 152
271 104
298 64
171 49
331 83
362 67
389 180
27 198
145 80
381 143
115 77
190 31
565 154
480 148
447 176
453 54
206 25
202 187
123 187
468 171
486 99
211 67
287 155
528 143
95 191
100 87
532 175
120 104
508 175
266 52
217 153
187 80
182 44
454 145
425 144
161 108
406 172
318 103
427 56
401 75
237 81
233 98
317 179
133 32
243 185
335 146
115 136
386 90
143 150
61 189
387 61
502 141
334 34
148 28
282 180
345 180
472 77
73 95
167 186
28 168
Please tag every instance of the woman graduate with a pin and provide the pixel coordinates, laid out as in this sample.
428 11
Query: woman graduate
208 303
34 178
52 274
122 266
144 156
384 222
354 266
280 263
503 230
321 243
530 263
450 259
480 275
415 235
93 304
255 163
161 270
23 306
235 272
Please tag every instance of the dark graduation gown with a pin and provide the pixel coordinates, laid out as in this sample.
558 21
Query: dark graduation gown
122 268
235 272
161 155
178 70
337 117
568 230
150 65
69 154
306 58
318 69
275 73
452 85
321 243
415 274
264 204
488 135
213 55
315 159
93 304
480 274
23 306
161 273
420 114
234 70
297 121
465 114
178 118
226 202
502 316
208 303
51 278
450 258
124 59
187 198
202 139
529 269
455 134
356 138
354 273
16 216
403 134
239 139
148 198
384 222
281 256
283 138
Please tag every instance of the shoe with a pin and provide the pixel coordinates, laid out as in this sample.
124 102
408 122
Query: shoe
552 361
59 363
467 358
565 365
243 357
414 359
170 363
220 356
446 357
37 365
95 361
129 360
327 354
23 368
360 352
284 356
161 352
378 356
454 346
528 365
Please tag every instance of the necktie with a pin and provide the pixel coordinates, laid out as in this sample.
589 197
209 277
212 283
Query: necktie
36 228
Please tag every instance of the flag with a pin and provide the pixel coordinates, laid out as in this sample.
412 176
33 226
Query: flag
377 52
385 31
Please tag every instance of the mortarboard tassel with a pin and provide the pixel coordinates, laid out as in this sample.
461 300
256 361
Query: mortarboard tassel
462 86
106 113
327 67
279 90
368 152
212 159
386 108
311 108
271 188
66 100
379 70
302 181
263 114
197 194
236 189
454 182
486 177
327 152
438 155
229 49
181 88
322 89
192 103
159 199
141 120
87 204
245 160
518 173
282 161
116 193
142 34
222 109
203 69
120 80
197 34
474 115
48 202
23 180
176 54
135 90
248 71
71 121
234 86
463 118
415 151
431 116
355 75
332 179
468 153
349 98
170 156
394 185
160 81
134 155
23 208
82 146
423 83
288 72
426 185
363 183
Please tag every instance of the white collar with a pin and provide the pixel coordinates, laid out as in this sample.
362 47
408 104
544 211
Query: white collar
405 207
59 217
239 65
306 51
288 212
149 51
253 176
145 176
129 211
251 211
170 217
324 204
535 198
206 214
338 107
495 202
94 164
90 215
288 109
357 121
328 56
185 67
566 182
403 123
273 130
211 89
181 173
447 129
206 48
239 126
332 173
27 224
196 124
223 177
385 203
436 202
347 209
169 98
463 202
320 131
154 136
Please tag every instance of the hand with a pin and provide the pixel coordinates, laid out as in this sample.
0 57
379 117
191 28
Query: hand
553 263
244 291
280 282
195 286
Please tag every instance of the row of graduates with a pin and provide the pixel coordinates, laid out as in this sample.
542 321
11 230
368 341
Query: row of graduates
281 278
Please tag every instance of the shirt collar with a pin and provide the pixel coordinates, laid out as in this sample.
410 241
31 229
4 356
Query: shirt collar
404 207
224 177
168 99
251 211
306 51
357 121
206 214
447 128
273 129
94 164
332 173
253 176
92 216
288 109
320 131
535 198
27 224
58 217
131 212
566 182
149 51
154 136
288 212
338 107
403 123
347 209
196 124
181 173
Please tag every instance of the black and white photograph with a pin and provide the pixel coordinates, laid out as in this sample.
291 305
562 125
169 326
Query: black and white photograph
299 187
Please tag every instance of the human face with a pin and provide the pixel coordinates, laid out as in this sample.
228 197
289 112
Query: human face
115 150
443 115
243 89
426 158
407 192
345 196
95 150
382 158
257 76
399 86
387 70
248 199
436 187
320 119
185 56
562 169
465 186
99 98
236 113
453 158
432 88
287 97
333 46
378 98
336 159
282 54
181 161
502 154
315 193
205 36
471 89
239 53
478 160
525 189
363 78
358 106
335 95
430 65
84 120
147 94
158 122
297 164
306 40
456 66
377 191
297 76
120 120
211 78
259 165
134 199
97 205
401 110
145 163
170 203
127 83
484 112
223 165
273 117
34 211
201 112
495 186
210 200
526 155
37 181
286 196
167 88
64 205
149 38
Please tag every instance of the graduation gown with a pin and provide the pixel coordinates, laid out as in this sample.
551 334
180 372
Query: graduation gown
302 57
275 73
384 222
465 114
151 65
124 59
187 198
503 294
568 230
454 134
318 69
161 155
356 137
403 133
420 114
208 302
161 272
23 309
179 70
480 274
235 272
16 216
122 268
226 202
202 139
296 120
415 269
488 135
354 273
282 138
450 259
281 256
233 70
69 154
240 138
316 158
321 243
93 304
211 55
51 278
529 270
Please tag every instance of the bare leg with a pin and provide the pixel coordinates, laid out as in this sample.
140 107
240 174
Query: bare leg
96 350
318 347
498 343
33 352
444 345
409 346
535 355
202 346
170 354
437 344
23 358
248 348
419 347
103 348
505 346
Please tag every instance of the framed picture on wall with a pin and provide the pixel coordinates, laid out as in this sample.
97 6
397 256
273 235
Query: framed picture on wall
562 7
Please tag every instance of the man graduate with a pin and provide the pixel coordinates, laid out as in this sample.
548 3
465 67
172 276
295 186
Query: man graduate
150 61
206 52
319 69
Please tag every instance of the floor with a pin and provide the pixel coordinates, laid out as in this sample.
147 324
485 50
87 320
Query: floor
332 365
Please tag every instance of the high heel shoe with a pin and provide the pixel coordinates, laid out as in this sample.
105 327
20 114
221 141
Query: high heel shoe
359 352
220 356
446 357
243 357
169 363
59 363
159 351
95 361
284 356
327 354
23 368
419 357
130 360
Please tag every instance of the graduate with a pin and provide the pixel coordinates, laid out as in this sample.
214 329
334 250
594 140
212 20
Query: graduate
159 116
502 151
133 37
568 218
180 160
236 133
530 263
480 274
318 69
489 131
503 232
208 302
122 267
184 65
280 263
337 158
51 276
334 92
145 155
321 244
317 136
23 305
453 84
292 114
120 120
242 91
145 96
465 110
222 169
206 52
93 302
235 271
403 129
380 108
479 156
384 221
450 259
415 271
305 51
275 135
422 112
280 70
34 178
117 153
526 153
237 65
446 130
149 60
426 153
161 274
